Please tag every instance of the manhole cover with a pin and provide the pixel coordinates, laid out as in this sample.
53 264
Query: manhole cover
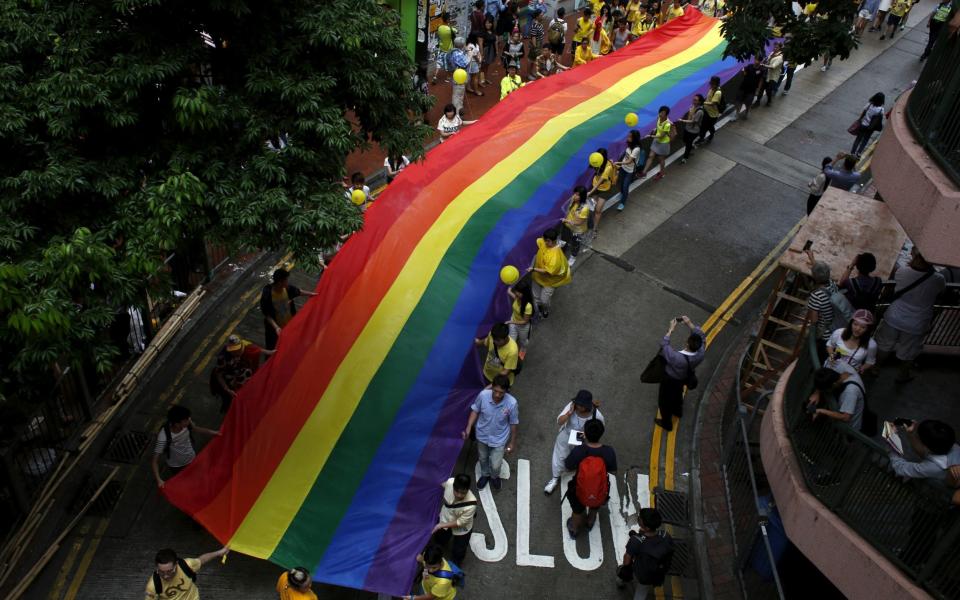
682 563
672 506
127 447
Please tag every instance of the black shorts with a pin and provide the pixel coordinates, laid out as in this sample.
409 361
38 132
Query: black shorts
894 20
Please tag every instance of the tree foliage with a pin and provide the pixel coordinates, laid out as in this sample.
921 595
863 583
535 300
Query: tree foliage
750 23
131 127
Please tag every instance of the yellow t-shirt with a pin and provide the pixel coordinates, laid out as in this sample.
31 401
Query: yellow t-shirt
604 180
553 262
584 29
662 134
899 7
179 587
287 592
675 11
498 359
508 85
445 35
281 306
439 587
810 8
712 103
606 46
633 11
517 317
642 26
578 212
583 55
596 5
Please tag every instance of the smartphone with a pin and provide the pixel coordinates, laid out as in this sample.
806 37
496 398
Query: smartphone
808 245
580 437
679 319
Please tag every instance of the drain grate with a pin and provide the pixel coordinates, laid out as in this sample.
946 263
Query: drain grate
682 563
106 501
672 506
127 447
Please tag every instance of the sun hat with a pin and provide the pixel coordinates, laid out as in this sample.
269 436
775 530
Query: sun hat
234 344
863 316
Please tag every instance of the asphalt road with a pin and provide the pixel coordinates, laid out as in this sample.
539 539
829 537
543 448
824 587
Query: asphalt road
692 237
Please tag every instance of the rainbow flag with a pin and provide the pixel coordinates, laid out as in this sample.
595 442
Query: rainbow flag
332 456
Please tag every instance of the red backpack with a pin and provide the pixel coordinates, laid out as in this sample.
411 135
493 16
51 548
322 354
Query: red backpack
592 485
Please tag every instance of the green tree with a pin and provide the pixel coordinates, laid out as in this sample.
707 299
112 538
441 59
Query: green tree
749 27
132 127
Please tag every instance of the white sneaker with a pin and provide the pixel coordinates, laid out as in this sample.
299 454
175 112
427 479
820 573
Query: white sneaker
823 69
571 260
551 485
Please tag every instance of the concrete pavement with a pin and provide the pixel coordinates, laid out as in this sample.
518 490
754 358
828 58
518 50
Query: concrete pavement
692 236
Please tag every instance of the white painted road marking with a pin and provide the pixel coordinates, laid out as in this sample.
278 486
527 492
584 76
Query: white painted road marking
477 541
593 560
524 558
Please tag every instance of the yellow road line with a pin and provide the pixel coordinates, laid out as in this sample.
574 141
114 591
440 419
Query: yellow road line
654 476
733 309
64 574
86 560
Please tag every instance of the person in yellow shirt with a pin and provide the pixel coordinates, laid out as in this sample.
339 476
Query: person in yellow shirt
576 223
597 5
633 12
295 584
438 576
711 104
445 35
503 354
645 22
897 10
663 132
175 578
674 11
584 54
521 301
511 82
550 270
606 46
584 29
604 180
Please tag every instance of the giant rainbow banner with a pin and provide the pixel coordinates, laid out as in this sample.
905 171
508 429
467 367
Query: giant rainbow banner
332 456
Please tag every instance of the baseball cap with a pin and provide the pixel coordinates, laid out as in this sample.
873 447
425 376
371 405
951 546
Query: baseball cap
234 343
583 398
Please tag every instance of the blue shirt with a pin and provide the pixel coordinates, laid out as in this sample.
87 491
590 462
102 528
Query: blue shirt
494 419
493 8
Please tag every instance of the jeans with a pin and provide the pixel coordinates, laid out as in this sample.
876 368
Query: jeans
625 180
863 137
520 334
490 459
542 295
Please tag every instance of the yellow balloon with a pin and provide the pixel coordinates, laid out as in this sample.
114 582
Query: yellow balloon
631 119
460 76
358 197
596 159
509 274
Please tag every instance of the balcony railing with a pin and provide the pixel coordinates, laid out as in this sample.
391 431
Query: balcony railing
910 522
933 110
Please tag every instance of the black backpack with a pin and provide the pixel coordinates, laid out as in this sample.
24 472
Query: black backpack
190 573
650 566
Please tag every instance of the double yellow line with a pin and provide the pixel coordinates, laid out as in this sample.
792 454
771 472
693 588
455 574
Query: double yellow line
712 328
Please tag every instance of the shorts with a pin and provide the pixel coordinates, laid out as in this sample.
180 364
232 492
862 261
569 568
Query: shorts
894 20
884 5
908 346
660 148
866 15
443 60
575 505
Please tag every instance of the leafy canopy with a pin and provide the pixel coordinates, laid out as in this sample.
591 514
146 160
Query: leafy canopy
133 127
748 28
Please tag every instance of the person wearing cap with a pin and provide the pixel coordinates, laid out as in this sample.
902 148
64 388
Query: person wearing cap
573 417
276 304
511 81
236 362
854 343
295 584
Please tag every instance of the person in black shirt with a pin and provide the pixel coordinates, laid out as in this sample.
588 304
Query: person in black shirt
594 487
276 304
749 86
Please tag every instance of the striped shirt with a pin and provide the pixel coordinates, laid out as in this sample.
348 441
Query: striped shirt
819 301
181 448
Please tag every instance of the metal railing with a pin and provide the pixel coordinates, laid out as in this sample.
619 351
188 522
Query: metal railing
933 110
910 522
944 334
749 500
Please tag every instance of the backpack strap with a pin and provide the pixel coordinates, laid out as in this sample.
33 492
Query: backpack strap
849 382
157 584
186 569
460 504
442 574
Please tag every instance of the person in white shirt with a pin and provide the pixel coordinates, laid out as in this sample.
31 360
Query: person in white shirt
854 344
557 32
450 123
175 442
393 165
871 119
934 446
456 516
573 417
910 315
